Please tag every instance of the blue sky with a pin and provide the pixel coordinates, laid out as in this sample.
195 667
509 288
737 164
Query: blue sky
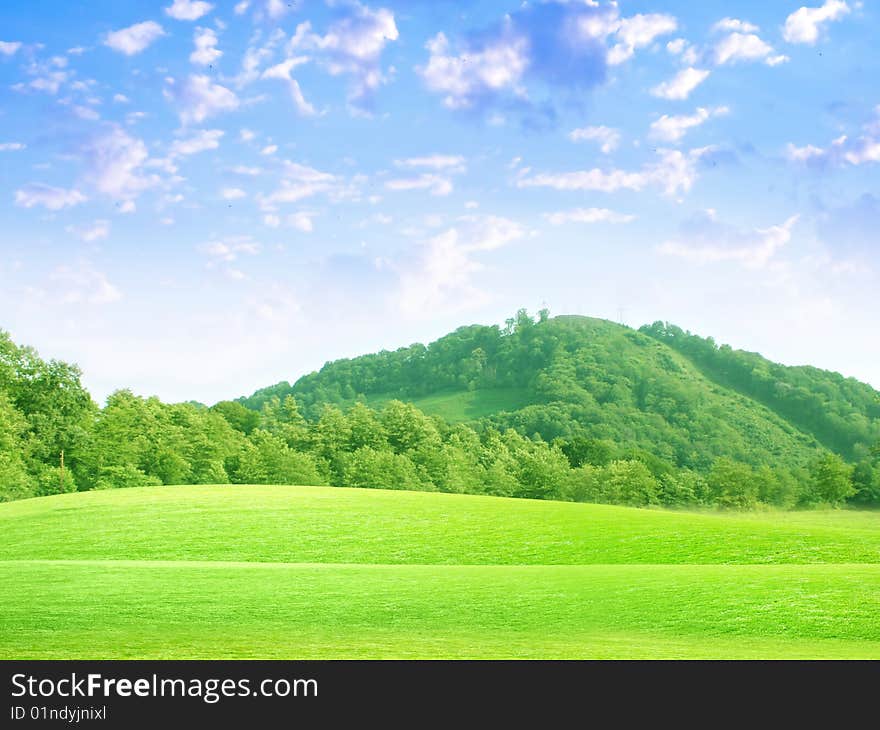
198 199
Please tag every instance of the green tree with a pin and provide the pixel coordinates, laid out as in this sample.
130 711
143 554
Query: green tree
629 483
830 480
732 484
372 468
15 481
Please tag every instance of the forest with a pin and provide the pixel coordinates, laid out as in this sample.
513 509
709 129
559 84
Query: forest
602 413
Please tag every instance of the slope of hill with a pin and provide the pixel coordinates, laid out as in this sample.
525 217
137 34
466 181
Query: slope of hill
575 376
842 413
312 572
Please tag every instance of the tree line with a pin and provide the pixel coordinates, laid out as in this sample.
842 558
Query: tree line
134 441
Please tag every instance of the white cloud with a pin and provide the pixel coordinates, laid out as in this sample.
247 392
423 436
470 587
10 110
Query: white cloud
378 218
271 220
745 47
437 184
246 170
499 65
437 181
843 150
92 232
282 72
265 9
11 146
674 172
448 163
50 75
199 98
681 85
9 48
246 135
302 221
206 51
863 150
120 99
232 193
804 154
129 206
299 182
135 38
441 276
607 138
804 24
587 215
269 149
710 242
672 128
353 45
638 31
114 162
677 46
255 56
47 196
735 25
229 249
204 139
82 284
188 9
84 112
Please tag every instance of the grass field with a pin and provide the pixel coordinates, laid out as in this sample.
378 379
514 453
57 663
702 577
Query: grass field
456 406
311 572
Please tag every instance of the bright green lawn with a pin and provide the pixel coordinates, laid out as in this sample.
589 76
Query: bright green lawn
296 572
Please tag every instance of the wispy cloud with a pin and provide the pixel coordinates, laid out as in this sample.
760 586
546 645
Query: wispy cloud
607 138
674 172
705 240
47 196
681 85
671 128
587 215
198 97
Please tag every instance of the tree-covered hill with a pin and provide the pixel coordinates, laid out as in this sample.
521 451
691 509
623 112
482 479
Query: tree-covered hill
661 391
569 408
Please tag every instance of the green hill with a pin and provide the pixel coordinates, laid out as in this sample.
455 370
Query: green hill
658 391
317 572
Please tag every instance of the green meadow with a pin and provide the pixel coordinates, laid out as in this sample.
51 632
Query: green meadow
456 406
322 572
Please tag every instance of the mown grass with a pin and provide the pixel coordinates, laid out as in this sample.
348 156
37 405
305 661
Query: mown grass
309 572
456 406
329 525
